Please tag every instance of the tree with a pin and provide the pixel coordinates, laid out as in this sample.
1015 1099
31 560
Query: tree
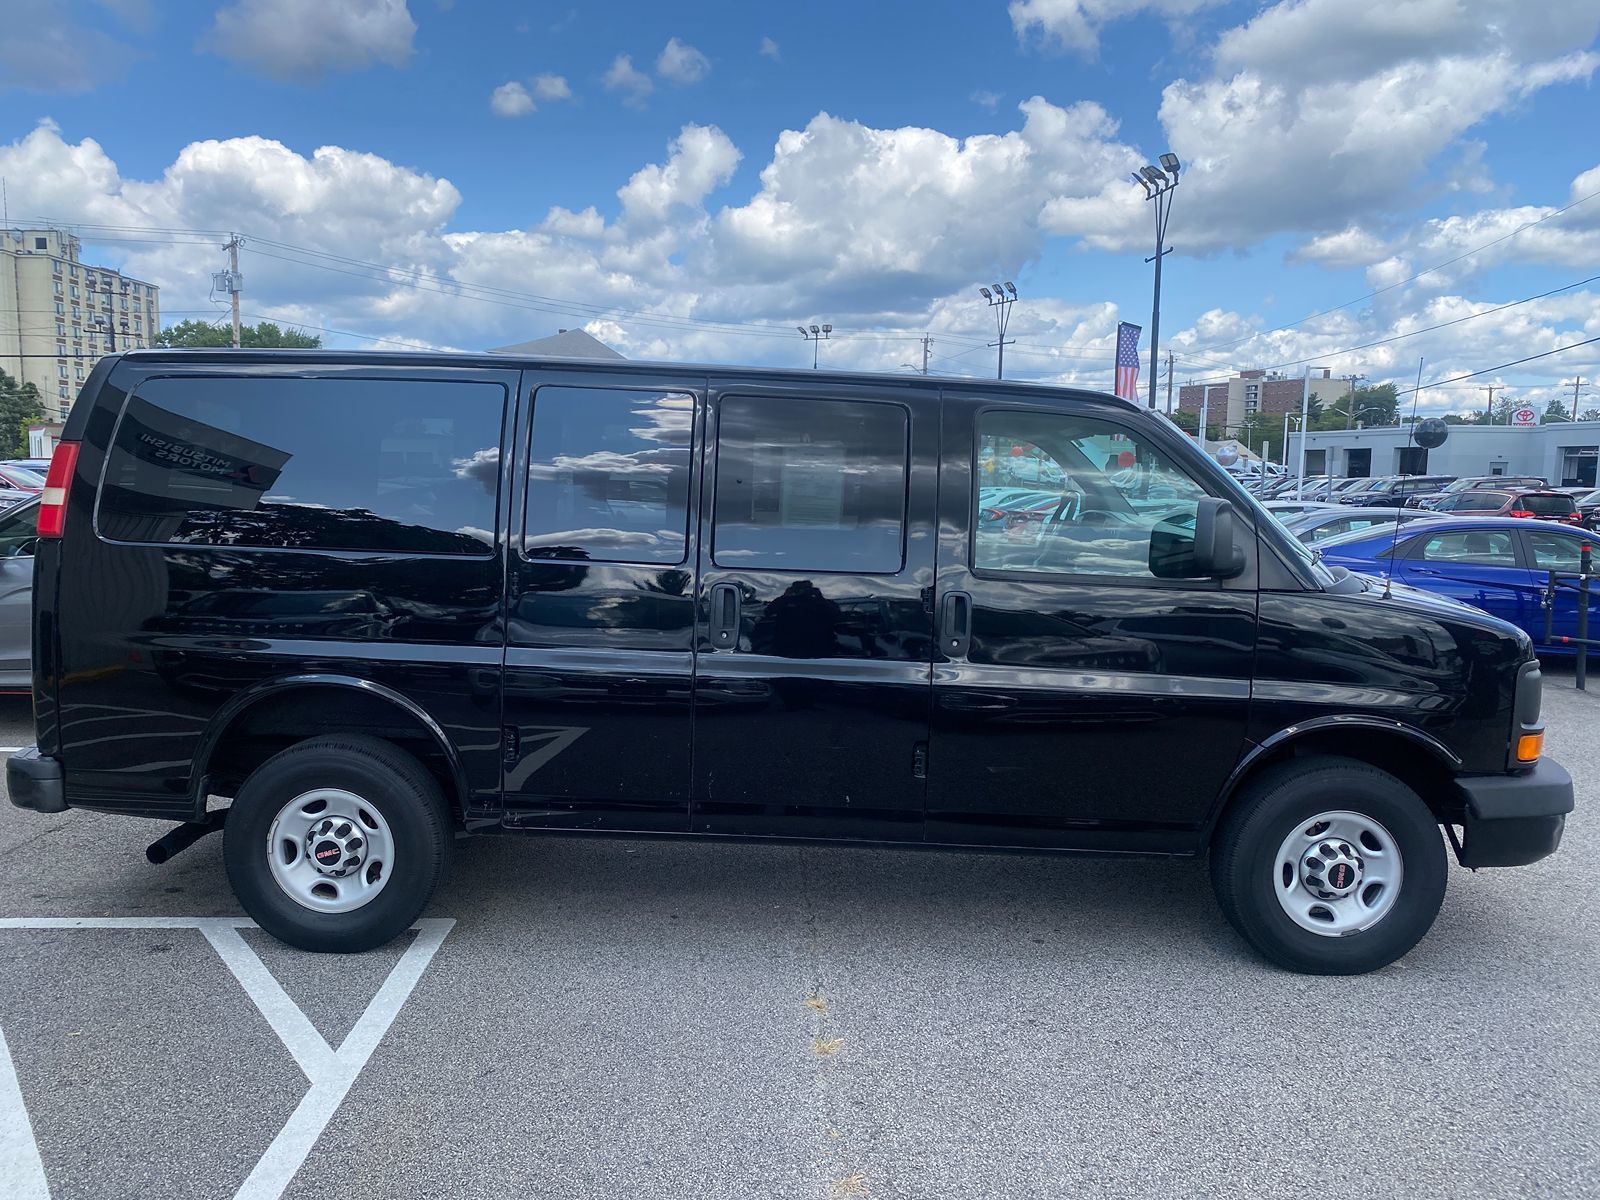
1187 420
1369 405
1590 414
1555 411
20 405
266 334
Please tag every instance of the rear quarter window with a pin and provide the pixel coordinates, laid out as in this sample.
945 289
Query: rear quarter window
329 464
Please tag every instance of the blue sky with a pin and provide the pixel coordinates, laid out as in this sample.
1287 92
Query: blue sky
1336 147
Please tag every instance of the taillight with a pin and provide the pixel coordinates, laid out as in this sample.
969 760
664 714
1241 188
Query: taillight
53 500
1515 512
995 514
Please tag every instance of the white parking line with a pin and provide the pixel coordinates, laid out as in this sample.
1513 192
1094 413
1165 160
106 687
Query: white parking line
10 749
331 1072
21 1171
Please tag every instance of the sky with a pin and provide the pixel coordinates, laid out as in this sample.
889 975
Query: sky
1364 182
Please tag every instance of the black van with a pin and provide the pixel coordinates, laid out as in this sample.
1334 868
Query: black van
346 607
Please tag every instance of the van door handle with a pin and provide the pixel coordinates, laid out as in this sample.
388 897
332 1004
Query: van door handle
725 600
955 626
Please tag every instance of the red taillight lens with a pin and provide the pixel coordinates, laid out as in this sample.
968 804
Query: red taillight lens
1515 512
53 500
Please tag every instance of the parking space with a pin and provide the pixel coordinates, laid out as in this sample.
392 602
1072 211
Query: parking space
641 1019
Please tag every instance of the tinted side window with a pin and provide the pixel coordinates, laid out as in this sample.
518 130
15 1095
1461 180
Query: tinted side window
330 464
1485 547
811 485
1552 552
1474 501
608 475
1111 490
19 532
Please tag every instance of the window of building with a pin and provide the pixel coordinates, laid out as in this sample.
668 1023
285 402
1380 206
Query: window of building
1112 493
72 271
1480 547
61 369
77 313
73 290
62 391
56 284
61 329
345 464
40 243
61 310
124 304
608 475
811 485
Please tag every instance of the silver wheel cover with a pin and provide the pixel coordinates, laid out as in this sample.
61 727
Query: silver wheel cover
1338 873
330 850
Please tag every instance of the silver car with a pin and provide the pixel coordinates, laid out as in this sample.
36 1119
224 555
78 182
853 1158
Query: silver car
19 534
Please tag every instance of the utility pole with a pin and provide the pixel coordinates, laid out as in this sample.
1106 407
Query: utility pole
235 281
1576 384
1491 388
1169 383
927 344
1001 303
1350 411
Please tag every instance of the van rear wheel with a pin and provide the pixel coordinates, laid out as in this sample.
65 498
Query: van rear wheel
1329 867
337 843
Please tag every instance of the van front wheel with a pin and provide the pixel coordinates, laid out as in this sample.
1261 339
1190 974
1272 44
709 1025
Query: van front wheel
1329 867
337 843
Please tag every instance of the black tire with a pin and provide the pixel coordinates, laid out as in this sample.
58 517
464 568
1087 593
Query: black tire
387 778
1267 811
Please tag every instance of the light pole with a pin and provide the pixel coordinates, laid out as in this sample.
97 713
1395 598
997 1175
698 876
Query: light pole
1287 417
1158 184
1001 302
816 336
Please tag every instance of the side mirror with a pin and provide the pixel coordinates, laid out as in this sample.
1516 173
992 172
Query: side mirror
1208 550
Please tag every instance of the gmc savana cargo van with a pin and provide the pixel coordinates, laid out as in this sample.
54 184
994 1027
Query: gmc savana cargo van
345 607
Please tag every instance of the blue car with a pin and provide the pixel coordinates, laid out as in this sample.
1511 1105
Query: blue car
1498 564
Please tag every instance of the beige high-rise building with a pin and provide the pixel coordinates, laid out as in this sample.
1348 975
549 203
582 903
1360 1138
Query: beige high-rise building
59 316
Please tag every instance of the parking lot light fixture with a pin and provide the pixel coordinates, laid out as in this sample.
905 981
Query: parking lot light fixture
816 336
1001 303
1158 186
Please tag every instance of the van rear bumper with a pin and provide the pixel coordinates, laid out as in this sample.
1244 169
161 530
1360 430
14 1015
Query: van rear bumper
34 781
1513 820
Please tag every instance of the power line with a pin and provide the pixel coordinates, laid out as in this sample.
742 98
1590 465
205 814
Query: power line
1410 278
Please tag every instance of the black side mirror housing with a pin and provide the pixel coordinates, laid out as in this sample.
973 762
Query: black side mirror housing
1209 551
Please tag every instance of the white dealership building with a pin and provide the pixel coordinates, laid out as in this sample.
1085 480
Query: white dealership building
1563 453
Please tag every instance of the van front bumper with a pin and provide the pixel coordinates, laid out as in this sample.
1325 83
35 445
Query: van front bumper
34 781
1513 820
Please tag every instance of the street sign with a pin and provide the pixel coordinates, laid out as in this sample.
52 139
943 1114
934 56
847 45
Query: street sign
1524 417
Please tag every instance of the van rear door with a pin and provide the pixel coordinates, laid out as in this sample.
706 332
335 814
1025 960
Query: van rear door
815 624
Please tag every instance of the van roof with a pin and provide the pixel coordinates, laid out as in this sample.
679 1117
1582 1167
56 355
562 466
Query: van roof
227 355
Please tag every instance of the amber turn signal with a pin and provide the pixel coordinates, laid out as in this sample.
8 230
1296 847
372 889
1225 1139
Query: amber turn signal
1530 746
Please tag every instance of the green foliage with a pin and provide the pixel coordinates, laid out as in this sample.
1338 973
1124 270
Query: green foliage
1370 406
1186 420
265 335
1555 411
20 406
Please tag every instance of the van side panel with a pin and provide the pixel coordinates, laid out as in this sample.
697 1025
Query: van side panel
159 634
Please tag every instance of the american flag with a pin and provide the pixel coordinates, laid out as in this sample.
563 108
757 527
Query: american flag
1128 360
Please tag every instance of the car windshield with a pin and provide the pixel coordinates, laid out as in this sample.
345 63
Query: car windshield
23 477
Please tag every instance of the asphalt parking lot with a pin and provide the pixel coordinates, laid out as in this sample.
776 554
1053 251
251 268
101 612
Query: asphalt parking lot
638 1019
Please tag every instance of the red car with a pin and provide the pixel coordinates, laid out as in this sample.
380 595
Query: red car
1543 505
20 478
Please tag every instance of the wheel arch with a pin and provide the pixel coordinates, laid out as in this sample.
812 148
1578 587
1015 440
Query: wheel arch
1418 760
288 709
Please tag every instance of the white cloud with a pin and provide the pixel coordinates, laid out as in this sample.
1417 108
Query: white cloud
622 76
699 160
304 40
551 87
1075 24
986 99
511 100
769 48
682 63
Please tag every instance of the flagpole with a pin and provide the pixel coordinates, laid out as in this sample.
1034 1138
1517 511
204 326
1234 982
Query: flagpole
1305 417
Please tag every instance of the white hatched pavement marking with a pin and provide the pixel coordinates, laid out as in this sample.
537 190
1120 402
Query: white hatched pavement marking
331 1072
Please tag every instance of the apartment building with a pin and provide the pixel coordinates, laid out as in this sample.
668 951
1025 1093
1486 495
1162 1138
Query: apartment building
1232 403
60 315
